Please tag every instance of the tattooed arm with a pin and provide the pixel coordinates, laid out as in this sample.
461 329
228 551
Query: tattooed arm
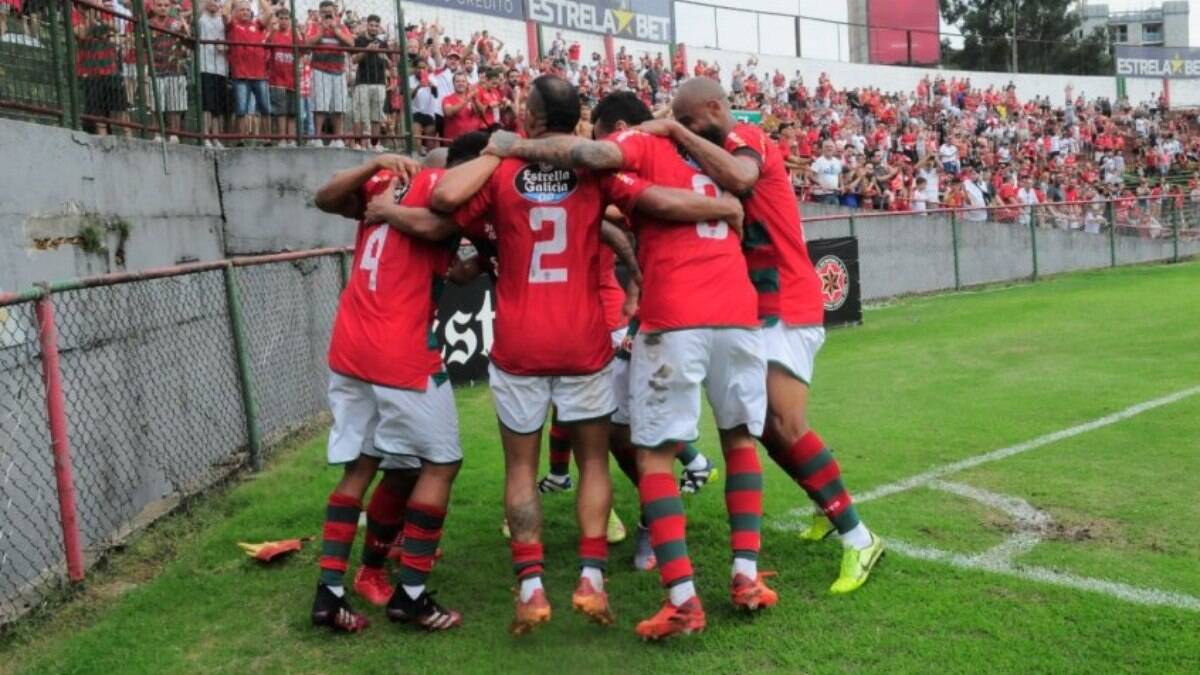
570 152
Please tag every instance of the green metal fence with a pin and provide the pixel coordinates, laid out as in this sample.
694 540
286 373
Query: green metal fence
108 68
122 394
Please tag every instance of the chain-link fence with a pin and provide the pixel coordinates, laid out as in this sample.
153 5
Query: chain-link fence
918 252
145 389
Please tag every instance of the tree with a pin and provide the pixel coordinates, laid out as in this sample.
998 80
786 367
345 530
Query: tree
1048 37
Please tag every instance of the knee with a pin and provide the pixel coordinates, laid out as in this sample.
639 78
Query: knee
784 430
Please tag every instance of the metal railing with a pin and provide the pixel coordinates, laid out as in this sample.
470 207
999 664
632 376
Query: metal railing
148 72
122 394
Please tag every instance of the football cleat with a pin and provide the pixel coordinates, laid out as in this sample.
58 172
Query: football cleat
373 585
616 529
550 484
423 611
504 529
670 620
753 594
335 613
530 614
643 557
592 603
820 528
691 482
857 566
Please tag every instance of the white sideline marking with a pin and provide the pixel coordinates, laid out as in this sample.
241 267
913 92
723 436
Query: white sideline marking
1031 522
1134 594
927 477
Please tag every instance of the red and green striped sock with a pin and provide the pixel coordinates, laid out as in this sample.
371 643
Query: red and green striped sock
560 449
743 500
687 453
385 517
527 559
341 526
662 509
422 533
812 465
593 552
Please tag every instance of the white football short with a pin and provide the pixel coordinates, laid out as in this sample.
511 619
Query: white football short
404 427
668 369
794 348
620 378
523 401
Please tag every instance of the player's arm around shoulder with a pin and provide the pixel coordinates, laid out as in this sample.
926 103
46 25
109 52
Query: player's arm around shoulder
564 151
414 221
342 194
736 172
458 185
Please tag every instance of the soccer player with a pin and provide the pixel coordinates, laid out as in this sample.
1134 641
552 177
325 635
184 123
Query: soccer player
391 403
744 161
551 343
699 328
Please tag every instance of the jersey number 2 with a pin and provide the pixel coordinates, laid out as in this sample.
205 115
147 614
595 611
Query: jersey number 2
556 218
704 185
372 251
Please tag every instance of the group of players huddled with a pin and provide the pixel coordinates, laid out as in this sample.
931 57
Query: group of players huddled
729 303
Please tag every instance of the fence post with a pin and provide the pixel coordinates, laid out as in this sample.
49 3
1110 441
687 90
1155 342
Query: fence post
140 54
237 329
1111 213
1033 246
72 59
56 62
852 229
344 267
954 244
56 415
409 142
298 72
196 111
1175 235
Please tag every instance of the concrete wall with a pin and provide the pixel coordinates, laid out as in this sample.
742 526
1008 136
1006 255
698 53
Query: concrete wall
59 182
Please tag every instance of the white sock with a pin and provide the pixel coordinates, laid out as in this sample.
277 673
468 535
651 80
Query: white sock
747 568
559 477
414 592
594 575
700 462
528 586
681 593
339 591
859 537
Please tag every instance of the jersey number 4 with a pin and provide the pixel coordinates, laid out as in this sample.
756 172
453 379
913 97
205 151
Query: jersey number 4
372 251
555 218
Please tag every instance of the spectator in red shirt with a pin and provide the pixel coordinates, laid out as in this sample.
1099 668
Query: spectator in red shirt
330 96
460 109
169 56
97 67
248 63
489 100
281 35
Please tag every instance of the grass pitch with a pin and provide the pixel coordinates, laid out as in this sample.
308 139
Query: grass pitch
924 383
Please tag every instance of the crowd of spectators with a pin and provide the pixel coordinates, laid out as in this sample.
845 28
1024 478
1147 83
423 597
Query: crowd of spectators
946 143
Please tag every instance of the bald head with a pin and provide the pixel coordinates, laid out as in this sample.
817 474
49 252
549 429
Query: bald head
698 90
701 105
436 159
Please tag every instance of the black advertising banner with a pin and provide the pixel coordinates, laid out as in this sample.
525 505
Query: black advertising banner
645 20
1160 63
464 328
836 262
503 9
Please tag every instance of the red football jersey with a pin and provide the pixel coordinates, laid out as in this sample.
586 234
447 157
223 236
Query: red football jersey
383 333
783 274
612 295
694 274
546 225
